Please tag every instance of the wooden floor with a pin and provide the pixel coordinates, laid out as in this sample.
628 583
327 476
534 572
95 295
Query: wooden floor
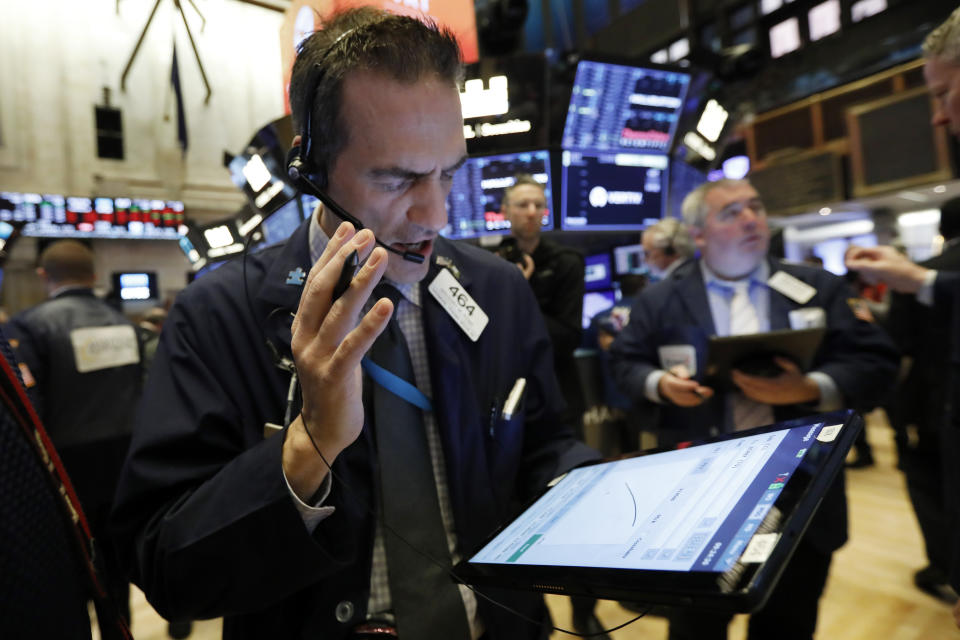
870 594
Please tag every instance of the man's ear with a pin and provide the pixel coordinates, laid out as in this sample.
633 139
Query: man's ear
698 236
296 140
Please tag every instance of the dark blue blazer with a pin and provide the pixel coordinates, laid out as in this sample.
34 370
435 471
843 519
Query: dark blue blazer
203 505
857 355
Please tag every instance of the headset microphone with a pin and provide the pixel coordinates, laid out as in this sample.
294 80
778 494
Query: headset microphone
295 168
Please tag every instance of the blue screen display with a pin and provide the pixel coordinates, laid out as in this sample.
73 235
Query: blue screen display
473 206
611 191
617 107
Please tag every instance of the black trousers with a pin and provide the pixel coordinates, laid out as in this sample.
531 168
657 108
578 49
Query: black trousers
789 614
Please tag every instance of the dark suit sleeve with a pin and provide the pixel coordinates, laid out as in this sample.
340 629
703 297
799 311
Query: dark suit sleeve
31 350
203 508
549 447
946 288
564 312
858 355
632 354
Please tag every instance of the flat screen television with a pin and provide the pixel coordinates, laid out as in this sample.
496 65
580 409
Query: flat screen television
473 205
136 285
596 301
628 259
611 191
619 107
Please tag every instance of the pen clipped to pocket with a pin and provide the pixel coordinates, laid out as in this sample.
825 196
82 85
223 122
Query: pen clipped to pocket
502 415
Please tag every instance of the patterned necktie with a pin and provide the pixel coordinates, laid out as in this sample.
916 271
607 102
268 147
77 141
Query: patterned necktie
426 602
747 413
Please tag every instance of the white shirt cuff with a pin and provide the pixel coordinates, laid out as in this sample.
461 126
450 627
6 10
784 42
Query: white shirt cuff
925 293
313 514
830 397
651 386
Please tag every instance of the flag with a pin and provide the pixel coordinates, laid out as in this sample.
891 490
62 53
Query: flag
178 92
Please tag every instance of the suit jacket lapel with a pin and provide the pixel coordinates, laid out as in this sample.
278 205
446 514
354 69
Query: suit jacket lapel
693 294
455 410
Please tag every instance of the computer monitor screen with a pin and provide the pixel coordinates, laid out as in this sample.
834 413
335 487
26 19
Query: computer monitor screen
596 301
616 107
136 285
473 205
628 259
278 226
596 273
57 216
611 191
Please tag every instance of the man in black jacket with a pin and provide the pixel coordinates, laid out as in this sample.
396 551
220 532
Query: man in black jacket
81 362
934 287
555 274
223 521
922 333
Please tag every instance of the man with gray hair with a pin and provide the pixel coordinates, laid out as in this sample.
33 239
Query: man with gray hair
942 72
735 288
666 245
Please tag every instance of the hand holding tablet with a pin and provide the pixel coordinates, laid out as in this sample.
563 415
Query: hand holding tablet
711 525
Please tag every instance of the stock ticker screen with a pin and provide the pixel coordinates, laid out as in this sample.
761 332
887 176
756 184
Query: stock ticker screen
616 107
473 205
611 191
57 216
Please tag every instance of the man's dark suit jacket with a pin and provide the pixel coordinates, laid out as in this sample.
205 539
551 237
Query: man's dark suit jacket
857 355
203 502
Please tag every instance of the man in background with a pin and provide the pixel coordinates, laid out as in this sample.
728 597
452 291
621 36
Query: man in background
555 274
80 360
666 245
735 288
922 333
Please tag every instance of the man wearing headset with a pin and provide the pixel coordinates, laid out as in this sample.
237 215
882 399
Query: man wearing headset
666 245
223 521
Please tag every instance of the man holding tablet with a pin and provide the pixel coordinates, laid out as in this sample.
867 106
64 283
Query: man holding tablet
734 288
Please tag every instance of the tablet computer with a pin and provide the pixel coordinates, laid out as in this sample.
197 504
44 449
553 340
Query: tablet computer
710 525
753 353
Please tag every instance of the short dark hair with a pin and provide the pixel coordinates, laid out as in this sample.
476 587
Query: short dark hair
519 180
403 48
67 261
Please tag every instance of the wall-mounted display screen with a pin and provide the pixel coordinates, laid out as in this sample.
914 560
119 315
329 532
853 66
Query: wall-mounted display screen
595 302
597 272
136 285
57 216
611 191
628 259
473 206
616 107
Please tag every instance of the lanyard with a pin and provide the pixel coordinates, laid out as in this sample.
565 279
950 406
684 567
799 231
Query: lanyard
396 385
